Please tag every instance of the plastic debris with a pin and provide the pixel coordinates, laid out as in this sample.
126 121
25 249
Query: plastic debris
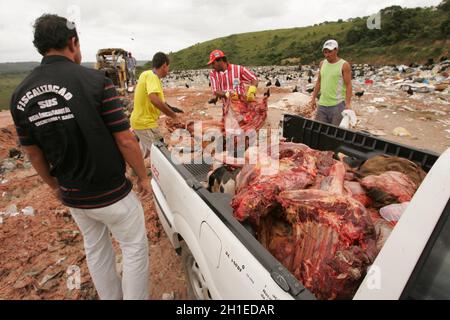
11 211
401 132
349 119
28 211
9 165
378 100
393 212
371 109
377 133
168 296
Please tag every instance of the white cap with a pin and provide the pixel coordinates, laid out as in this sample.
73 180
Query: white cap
330 45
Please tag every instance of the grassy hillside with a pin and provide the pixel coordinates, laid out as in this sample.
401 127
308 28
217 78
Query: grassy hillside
17 67
406 35
8 82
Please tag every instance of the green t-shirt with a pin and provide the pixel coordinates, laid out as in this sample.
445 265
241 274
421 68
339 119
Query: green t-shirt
332 87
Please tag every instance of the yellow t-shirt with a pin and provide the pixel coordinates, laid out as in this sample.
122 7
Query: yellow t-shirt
145 115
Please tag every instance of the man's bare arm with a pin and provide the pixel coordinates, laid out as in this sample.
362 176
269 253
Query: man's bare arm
41 165
347 74
162 106
317 87
131 152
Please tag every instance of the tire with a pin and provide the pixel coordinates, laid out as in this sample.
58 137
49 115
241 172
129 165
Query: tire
197 288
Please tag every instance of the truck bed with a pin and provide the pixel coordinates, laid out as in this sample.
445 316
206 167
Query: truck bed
317 135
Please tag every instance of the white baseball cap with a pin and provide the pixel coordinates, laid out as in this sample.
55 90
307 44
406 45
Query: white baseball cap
330 45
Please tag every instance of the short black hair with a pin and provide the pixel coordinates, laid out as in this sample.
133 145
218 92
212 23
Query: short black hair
159 59
52 32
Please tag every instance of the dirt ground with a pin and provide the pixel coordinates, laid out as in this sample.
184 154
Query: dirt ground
37 251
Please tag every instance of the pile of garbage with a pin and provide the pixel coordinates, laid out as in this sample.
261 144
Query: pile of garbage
414 78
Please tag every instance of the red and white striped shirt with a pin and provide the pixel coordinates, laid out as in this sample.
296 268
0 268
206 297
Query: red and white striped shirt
232 79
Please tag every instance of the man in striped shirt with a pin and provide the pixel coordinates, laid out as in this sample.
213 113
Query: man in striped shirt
227 80
71 124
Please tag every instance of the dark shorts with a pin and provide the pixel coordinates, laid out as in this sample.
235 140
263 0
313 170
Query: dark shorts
331 115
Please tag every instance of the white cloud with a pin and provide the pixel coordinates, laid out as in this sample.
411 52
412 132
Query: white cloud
170 25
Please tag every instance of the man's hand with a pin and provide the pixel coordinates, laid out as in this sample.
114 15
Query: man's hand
231 95
251 93
57 193
175 109
175 118
143 186
213 100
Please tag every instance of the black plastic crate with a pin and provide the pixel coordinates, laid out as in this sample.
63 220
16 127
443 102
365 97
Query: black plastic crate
359 145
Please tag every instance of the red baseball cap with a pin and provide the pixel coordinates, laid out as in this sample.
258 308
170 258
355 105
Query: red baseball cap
216 54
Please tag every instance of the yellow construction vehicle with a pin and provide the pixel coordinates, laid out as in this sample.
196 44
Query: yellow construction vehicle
114 62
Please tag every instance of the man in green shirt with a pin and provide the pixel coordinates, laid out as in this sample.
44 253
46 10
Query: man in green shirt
334 84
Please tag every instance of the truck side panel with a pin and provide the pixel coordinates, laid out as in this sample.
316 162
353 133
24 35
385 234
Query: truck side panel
224 261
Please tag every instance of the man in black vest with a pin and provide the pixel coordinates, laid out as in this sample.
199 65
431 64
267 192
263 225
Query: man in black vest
70 122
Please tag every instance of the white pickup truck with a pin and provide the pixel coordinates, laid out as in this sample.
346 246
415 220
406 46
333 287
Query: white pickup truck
223 260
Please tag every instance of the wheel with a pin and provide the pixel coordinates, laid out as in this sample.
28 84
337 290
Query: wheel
197 288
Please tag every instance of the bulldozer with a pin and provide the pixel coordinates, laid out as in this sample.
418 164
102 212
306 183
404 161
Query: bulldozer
113 61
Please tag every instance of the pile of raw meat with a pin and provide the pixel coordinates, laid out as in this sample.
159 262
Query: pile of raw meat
321 218
239 118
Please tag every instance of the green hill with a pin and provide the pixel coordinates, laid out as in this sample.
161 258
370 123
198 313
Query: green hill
8 82
406 35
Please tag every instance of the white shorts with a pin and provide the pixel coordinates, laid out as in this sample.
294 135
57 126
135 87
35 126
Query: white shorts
147 138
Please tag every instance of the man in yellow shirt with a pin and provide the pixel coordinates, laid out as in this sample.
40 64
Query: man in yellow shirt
149 102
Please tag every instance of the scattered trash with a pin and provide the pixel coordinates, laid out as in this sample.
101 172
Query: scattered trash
408 108
436 112
377 133
9 165
295 102
11 211
371 109
27 165
168 296
49 277
14 153
349 119
401 132
28 211
378 100
61 260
